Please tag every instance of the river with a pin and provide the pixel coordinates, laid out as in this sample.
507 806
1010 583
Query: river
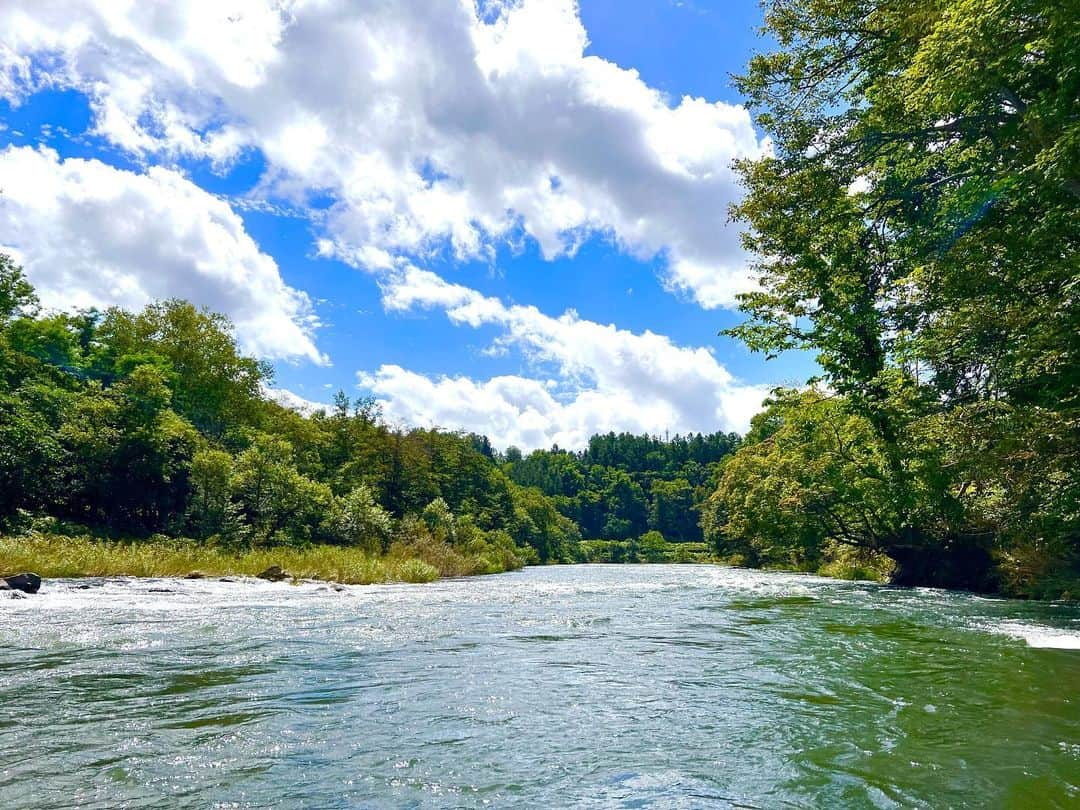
585 686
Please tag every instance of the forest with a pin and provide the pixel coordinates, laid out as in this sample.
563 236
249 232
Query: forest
121 425
135 425
632 497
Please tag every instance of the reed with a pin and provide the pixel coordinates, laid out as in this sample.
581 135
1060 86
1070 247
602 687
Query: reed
53 556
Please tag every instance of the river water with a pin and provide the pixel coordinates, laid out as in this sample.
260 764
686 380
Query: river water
587 686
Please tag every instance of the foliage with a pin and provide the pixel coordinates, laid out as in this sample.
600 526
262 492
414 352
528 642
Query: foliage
542 527
821 474
623 485
652 547
211 510
916 226
649 548
16 293
361 522
842 561
417 571
439 520
136 424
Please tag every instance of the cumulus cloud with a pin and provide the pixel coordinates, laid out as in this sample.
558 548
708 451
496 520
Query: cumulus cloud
426 124
293 401
89 234
610 378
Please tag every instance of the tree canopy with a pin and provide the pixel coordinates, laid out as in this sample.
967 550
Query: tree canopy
622 485
131 424
916 226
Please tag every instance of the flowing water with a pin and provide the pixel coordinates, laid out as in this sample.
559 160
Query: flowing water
587 686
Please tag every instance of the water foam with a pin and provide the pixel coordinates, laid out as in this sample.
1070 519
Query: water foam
1042 636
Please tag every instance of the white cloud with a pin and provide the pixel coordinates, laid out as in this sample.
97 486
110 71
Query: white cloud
89 234
293 401
613 379
426 123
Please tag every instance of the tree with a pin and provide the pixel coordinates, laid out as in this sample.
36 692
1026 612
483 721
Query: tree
652 547
582 487
135 423
439 520
820 477
537 523
276 500
126 455
924 178
211 511
215 386
819 474
916 226
30 452
360 521
626 506
16 293
151 461
671 511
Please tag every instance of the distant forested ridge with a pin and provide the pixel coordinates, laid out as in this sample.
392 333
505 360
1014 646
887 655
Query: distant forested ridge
916 227
622 486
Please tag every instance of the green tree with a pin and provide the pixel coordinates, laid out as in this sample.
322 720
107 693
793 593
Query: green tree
537 523
439 520
652 547
360 521
127 455
215 386
277 501
142 422
16 293
671 510
916 227
625 504
211 510
30 452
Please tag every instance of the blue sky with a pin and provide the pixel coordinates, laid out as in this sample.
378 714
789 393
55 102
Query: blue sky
508 218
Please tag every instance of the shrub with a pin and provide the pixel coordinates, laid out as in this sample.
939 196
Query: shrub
359 520
417 571
653 548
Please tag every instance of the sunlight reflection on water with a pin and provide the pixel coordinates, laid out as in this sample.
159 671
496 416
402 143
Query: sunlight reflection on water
593 686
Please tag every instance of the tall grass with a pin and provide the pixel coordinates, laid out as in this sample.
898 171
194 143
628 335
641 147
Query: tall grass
59 556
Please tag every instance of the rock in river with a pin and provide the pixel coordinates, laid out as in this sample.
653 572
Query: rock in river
274 574
27 583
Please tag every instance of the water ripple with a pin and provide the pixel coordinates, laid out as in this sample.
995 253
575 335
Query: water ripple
590 686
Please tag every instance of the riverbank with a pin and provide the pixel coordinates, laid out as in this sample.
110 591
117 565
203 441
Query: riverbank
57 556
54 556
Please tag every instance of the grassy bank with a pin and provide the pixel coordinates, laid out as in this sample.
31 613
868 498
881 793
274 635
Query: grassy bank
54 556
837 561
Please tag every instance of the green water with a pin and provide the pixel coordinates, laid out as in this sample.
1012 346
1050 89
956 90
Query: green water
588 686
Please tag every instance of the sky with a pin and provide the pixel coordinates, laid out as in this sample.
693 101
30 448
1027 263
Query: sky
503 217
